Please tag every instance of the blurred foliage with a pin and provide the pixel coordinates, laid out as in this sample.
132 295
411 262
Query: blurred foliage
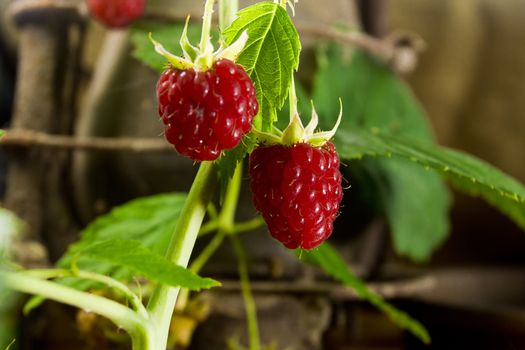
415 202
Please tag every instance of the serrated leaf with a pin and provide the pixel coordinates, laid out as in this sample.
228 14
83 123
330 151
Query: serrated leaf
374 97
466 172
150 220
329 260
167 34
271 54
136 257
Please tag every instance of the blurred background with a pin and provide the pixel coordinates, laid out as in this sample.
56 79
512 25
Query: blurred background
469 80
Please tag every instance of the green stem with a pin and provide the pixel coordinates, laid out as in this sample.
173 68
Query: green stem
198 264
227 215
209 227
249 302
136 325
206 25
163 299
110 282
293 100
249 225
240 227
227 12
212 211
225 223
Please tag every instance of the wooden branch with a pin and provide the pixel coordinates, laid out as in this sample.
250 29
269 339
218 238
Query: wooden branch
375 46
399 49
29 138
388 290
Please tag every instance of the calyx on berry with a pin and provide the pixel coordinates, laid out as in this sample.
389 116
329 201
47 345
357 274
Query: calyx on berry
295 132
202 57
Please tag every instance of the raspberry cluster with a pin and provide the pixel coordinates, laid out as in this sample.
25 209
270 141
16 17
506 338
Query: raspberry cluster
206 112
116 13
297 189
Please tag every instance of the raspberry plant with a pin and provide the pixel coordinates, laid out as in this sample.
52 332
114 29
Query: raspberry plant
154 237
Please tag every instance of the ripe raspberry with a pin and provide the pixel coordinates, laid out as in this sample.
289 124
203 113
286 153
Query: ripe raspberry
206 112
116 13
297 189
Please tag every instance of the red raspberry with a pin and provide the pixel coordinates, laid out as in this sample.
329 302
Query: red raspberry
206 112
297 189
116 13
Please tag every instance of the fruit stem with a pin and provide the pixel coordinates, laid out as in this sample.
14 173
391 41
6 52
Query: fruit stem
205 46
227 215
163 299
227 12
249 302
293 100
249 225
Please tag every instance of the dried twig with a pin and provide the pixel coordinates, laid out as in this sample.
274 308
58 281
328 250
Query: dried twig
399 49
388 290
29 138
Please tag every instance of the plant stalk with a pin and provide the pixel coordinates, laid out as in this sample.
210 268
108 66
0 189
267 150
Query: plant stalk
163 299
137 327
133 299
227 11
206 25
249 302
225 223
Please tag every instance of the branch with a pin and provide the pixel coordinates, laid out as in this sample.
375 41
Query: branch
399 49
29 138
389 290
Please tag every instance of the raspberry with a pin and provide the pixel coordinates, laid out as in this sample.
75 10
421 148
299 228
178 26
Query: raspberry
297 189
116 13
206 112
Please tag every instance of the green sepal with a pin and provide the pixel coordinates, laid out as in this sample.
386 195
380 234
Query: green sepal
175 61
190 52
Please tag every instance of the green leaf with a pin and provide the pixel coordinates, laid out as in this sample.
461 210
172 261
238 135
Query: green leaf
416 205
150 220
328 259
466 172
167 34
374 97
137 258
2 133
271 54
